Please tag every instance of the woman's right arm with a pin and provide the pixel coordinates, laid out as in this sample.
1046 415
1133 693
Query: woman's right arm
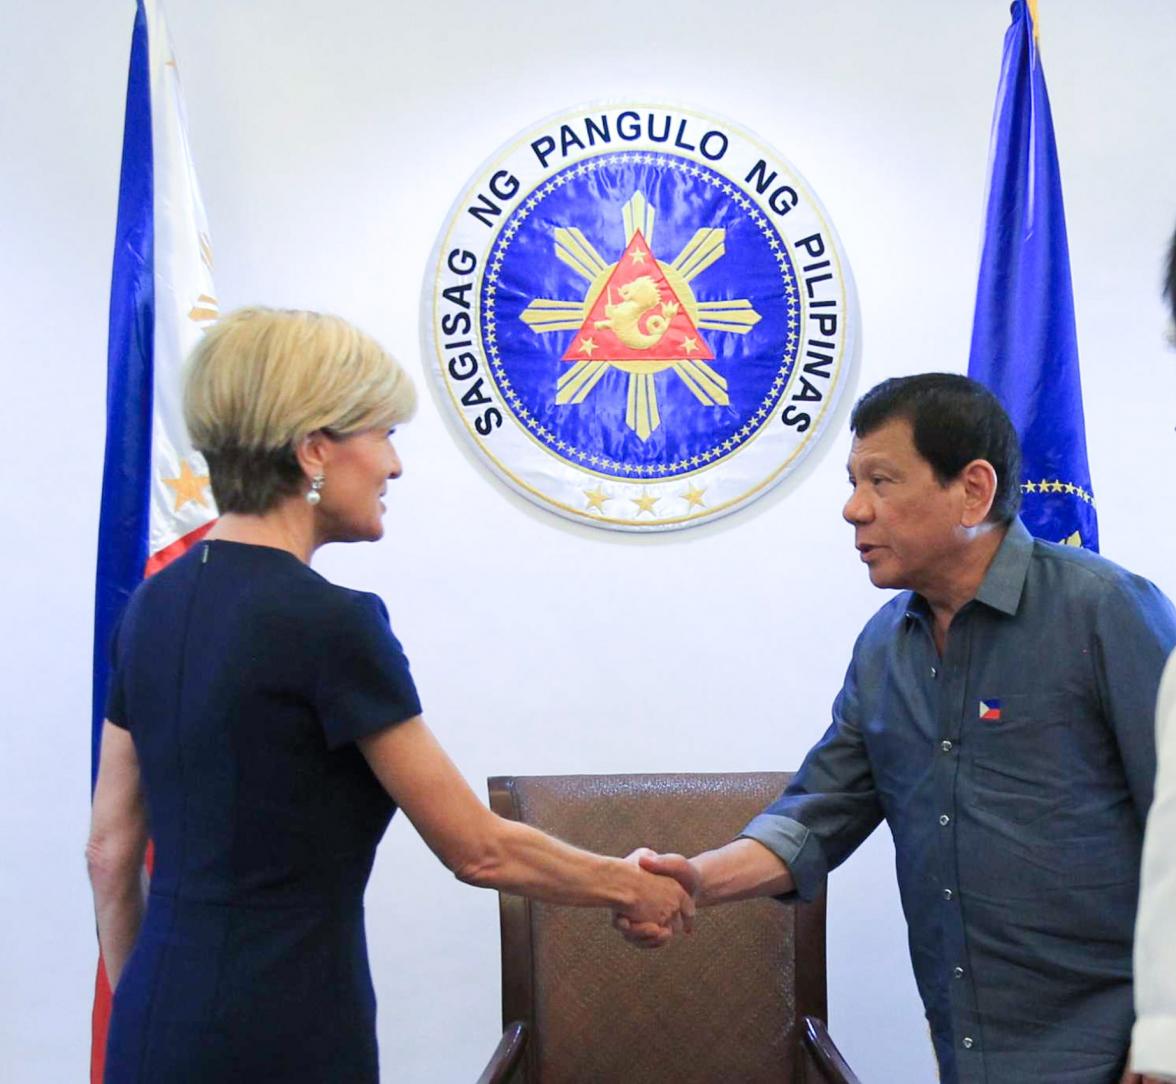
489 851
115 849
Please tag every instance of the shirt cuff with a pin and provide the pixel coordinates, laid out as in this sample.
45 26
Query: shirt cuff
797 847
1153 1046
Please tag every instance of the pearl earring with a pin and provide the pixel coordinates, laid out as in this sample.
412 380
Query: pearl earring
313 496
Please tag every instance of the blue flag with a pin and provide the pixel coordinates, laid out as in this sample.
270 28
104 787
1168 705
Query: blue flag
1024 342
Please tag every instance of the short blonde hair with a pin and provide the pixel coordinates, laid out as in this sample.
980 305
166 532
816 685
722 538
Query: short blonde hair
261 380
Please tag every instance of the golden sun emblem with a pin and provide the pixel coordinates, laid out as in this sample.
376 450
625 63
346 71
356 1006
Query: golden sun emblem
640 315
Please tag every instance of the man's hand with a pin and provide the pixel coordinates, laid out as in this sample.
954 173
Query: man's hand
681 870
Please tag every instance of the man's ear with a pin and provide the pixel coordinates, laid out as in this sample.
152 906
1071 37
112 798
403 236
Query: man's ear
979 481
312 453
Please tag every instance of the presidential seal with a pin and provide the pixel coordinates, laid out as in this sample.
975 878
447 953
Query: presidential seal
641 317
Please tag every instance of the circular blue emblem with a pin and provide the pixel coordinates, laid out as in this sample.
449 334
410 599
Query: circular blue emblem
635 334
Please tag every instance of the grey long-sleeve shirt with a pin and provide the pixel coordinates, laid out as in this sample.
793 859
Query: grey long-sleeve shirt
1015 773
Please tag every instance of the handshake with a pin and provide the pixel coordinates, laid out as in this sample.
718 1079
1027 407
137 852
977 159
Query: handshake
666 899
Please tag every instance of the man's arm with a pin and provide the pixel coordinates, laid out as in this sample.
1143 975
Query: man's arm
829 808
1154 1037
1135 632
742 870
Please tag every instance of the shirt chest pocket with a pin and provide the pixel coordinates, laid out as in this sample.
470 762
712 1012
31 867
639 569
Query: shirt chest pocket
1015 748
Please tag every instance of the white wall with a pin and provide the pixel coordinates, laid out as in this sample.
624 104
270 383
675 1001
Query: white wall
330 140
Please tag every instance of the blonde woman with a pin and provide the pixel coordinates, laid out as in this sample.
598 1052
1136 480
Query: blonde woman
263 727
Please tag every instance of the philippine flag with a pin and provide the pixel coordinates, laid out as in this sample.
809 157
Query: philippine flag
990 711
156 500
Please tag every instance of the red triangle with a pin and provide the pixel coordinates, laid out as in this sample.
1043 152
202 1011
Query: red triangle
637 316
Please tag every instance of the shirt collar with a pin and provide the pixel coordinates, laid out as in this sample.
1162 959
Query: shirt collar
1005 579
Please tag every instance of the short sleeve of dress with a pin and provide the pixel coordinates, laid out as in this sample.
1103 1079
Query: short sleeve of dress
364 683
115 703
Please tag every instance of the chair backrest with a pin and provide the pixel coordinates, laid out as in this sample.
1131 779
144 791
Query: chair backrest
725 1004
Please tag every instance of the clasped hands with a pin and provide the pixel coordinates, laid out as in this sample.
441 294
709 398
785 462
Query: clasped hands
642 925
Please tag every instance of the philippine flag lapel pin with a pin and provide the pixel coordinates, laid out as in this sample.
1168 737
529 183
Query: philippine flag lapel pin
990 711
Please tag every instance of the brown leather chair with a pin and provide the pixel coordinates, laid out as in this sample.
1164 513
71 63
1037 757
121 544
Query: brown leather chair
740 1000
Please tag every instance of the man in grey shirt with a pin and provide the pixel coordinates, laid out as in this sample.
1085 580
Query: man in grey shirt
998 715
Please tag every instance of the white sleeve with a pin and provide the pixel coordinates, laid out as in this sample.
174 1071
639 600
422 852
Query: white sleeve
1153 1044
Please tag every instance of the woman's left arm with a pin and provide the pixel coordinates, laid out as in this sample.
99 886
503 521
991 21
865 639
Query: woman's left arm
115 849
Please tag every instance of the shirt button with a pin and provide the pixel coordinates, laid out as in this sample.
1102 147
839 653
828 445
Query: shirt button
945 745
944 819
958 972
934 672
968 1042
947 893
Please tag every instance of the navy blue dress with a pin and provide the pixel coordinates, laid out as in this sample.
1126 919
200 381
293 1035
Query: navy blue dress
245 679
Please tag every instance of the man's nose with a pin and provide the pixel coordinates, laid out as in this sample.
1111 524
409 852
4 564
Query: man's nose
857 508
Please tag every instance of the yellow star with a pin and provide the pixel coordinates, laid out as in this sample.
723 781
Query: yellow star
1071 488
689 344
188 487
638 256
693 497
1030 487
1074 540
587 346
1057 487
644 503
596 498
